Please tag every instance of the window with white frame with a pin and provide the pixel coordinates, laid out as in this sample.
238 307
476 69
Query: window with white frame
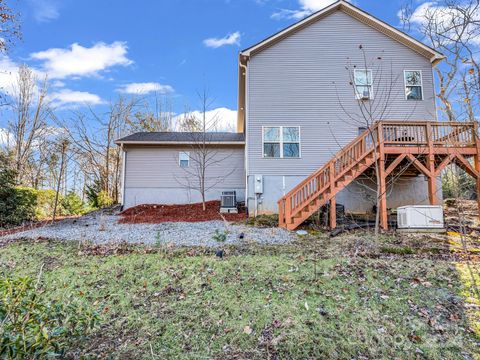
363 83
281 142
413 85
184 159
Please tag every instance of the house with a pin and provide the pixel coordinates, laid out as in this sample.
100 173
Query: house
306 96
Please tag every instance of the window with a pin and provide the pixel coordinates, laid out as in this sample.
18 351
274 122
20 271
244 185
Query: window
184 159
413 85
363 84
281 142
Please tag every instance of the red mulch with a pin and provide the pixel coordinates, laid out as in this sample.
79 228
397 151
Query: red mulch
155 214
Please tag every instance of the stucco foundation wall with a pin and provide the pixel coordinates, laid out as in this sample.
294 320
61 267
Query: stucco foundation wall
168 196
358 197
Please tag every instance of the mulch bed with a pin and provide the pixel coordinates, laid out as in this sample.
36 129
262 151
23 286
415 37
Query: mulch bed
156 214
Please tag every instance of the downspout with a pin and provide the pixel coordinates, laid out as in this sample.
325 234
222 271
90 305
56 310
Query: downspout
245 151
124 160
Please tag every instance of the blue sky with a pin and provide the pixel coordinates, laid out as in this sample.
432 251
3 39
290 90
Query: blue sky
94 50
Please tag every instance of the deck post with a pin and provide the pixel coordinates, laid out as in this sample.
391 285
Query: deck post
432 180
333 200
382 179
333 213
476 159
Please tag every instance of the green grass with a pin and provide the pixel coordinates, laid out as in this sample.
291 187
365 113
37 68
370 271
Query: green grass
260 303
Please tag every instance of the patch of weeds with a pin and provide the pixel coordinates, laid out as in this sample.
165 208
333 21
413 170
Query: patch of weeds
397 250
220 236
263 221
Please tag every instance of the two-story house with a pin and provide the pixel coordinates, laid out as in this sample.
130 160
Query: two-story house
306 96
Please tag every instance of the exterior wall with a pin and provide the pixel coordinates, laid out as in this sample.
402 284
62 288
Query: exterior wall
153 175
302 81
357 198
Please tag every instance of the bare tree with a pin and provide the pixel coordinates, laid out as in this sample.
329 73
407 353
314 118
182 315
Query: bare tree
155 114
203 156
9 26
63 147
452 27
30 111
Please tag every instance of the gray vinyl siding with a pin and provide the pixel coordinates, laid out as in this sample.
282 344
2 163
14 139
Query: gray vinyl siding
158 167
302 81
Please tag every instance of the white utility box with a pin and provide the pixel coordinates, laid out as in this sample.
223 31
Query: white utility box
420 217
258 184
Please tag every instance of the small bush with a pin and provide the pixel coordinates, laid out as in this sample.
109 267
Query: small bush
104 200
46 203
33 327
220 236
73 204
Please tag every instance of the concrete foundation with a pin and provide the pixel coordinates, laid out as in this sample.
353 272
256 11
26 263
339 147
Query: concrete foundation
358 198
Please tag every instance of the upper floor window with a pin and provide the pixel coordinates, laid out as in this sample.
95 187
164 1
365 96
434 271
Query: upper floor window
184 159
413 85
281 142
363 84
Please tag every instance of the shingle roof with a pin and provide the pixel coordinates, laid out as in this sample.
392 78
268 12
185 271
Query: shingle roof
181 137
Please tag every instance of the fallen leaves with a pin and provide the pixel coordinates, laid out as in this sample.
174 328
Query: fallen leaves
247 330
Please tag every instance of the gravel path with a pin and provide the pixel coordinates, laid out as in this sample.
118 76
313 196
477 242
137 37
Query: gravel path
104 228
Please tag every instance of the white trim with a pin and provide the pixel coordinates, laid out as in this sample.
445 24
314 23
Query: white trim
281 142
371 93
436 56
405 84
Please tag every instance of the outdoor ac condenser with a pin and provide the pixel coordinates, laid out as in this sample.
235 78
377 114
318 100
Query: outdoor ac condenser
420 217
228 203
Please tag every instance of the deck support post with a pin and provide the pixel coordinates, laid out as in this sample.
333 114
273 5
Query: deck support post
333 213
333 200
382 188
432 180
476 164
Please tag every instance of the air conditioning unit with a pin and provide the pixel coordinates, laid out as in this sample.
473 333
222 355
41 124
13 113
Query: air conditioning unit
228 203
418 217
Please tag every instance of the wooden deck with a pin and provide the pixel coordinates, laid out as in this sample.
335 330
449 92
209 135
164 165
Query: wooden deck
415 147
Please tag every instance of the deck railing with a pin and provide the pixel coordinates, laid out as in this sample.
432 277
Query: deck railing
391 133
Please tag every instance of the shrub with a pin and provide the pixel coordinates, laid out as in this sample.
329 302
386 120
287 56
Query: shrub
73 204
8 194
34 327
104 200
26 204
46 203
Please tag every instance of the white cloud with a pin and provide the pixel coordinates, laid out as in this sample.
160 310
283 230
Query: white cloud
6 138
450 18
8 73
230 39
45 10
307 7
70 98
82 61
145 88
220 119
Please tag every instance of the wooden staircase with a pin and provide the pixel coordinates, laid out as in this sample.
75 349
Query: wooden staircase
387 143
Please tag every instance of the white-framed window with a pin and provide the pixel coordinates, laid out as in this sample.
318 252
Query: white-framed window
184 159
413 84
363 79
281 142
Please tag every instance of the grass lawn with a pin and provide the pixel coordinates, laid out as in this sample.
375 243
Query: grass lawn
357 298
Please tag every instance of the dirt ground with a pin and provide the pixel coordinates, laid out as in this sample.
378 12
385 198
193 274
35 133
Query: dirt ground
156 214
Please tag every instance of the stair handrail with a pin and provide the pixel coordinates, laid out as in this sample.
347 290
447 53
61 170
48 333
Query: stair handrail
333 159
286 207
